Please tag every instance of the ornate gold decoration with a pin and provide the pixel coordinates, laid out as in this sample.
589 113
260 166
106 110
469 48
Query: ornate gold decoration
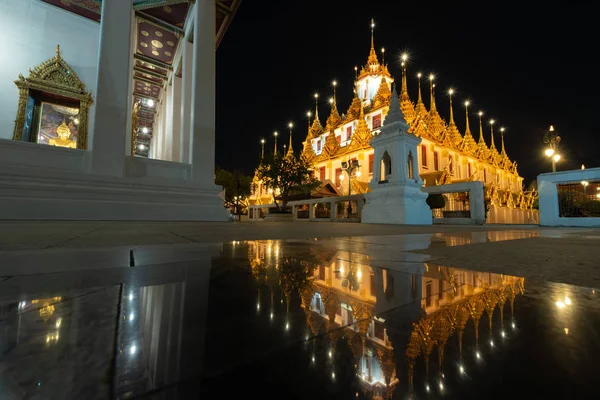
354 109
362 135
64 133
170 43
158 33
334 119
156 43
407 107
54 76
145 33
383 95
331 146
168 53
134 125
156 53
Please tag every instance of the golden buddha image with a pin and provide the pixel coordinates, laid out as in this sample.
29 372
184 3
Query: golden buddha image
64 133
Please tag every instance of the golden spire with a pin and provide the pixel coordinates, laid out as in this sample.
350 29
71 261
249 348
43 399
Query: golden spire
334 118
431 93
383 56
290 151
420 107
362 135
502 138
407 107
316 128
481 139
450 93
383 95
334 84
467 129
275 150
262 144
355 74
492 145
316 105
468 144
354 108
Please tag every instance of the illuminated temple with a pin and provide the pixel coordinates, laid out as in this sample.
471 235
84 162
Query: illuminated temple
446 153
404 328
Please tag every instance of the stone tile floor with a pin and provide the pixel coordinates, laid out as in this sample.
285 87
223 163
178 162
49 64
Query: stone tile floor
369 317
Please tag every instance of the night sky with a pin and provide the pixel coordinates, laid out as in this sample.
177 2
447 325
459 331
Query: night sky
526 67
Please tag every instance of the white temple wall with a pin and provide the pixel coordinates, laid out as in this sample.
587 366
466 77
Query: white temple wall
30 30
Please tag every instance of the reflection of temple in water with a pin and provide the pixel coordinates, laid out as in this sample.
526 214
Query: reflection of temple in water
396 322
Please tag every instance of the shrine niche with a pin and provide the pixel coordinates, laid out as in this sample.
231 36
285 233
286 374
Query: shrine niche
53 106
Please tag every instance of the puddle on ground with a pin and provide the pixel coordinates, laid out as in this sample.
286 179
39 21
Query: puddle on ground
300 320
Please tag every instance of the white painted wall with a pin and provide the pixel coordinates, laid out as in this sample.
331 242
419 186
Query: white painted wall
30 31
548 200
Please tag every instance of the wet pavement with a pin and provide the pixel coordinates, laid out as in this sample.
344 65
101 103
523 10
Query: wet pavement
305 319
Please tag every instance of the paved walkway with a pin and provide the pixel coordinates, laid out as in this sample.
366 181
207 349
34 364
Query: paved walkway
50 234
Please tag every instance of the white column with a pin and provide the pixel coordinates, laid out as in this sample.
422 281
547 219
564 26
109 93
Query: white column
113 108
203 95
186 101
176 120
163 125
168 122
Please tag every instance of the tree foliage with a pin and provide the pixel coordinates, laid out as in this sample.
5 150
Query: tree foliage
235 183
289 174
436 200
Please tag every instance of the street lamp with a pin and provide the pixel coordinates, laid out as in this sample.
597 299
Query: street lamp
349 166
552 140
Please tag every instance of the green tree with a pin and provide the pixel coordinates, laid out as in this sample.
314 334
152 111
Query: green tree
237 187
288 174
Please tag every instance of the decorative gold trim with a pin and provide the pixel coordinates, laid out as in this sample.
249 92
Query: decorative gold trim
54 76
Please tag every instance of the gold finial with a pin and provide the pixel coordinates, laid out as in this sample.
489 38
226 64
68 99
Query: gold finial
262 144
383 56
334 84
450 93
58 50
419 98
355 74
404 89
431 95
492 145
502 138
290 150
316 105
372 60
481 139
467 129
275 150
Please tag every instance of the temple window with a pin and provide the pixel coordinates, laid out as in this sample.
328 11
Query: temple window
469 170
348 132
338 173
371 159
424 156
319 145
338 138
436 161
322 174
410 166
376 121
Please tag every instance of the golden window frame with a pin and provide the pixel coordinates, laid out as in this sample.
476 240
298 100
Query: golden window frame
55 77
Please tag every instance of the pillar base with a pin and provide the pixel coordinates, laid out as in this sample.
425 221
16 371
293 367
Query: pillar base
402 204
35 193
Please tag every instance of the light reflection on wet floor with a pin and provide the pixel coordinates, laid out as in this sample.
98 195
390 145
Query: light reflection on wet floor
333 318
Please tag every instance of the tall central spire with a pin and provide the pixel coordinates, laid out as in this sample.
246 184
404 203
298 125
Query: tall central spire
502 136
450 93
372 60
407 107
492 145
481 139
467 129
316 105
420 107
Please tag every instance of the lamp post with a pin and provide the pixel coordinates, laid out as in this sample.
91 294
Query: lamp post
552 140
349 166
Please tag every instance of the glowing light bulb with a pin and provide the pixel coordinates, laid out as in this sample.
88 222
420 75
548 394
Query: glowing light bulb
150 103
503 334
467 103
478 355
462 369
275 133
551 128
341 177
76 121
330 354
492 343
480 113
131 316
142 147
450 92
567 299
333 375
358 173
144 130
427 388
431 77
334 83
566 331
262 141
287 326
271 315
419 75
291 124
308 114
404 57
556 158
441 386
133 349
258 306
492 122
331 100
549 152
316 95
560 304
130 296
